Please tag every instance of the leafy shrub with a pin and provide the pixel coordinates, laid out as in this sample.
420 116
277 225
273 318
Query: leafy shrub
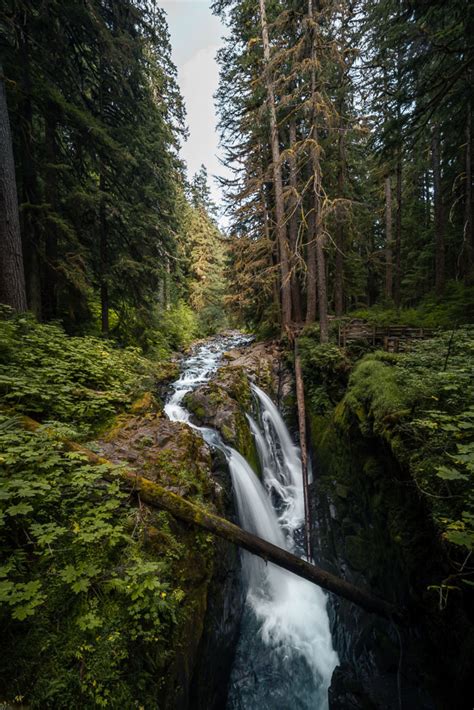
81 380
179 325
325 369
89 610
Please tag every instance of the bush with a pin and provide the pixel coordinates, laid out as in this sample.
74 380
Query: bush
325 370
80 380
85 612
179 326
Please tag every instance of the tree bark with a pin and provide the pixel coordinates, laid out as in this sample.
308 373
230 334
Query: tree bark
398 234
155 495
427 199
311 274
104 261
438 209
468 231
341 180
293 228
388 238
304 449
277 177
274 252
12 276
49 293
30 225
318 235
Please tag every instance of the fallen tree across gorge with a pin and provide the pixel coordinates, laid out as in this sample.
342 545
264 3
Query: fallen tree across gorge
159 497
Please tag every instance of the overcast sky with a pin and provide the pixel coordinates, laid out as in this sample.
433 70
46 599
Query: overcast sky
195 38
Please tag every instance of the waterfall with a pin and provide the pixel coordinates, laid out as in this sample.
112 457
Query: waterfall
285 657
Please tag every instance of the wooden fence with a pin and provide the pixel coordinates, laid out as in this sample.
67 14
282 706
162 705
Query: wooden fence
392 338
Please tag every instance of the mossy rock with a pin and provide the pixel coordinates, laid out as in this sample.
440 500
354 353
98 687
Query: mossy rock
222 405
146 403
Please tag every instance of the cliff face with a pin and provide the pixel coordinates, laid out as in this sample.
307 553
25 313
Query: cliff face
372 526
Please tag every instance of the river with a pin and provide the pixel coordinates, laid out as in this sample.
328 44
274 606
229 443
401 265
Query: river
285 655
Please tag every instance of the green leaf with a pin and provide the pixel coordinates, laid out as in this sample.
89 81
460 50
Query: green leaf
460 537
19 509
450 474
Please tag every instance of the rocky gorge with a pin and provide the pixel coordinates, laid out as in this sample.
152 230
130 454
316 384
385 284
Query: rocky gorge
367 526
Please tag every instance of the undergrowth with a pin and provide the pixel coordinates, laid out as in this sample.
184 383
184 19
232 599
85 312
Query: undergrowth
422 404
88 606
79 380
85 611
454 308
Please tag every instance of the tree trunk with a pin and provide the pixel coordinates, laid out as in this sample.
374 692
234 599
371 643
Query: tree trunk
438 209
293 228
468 231
277 177
304 449
311 275
339 266
51 241
104 261
29 184
398 234
388 238
322 292
12 277
273 255
427 199
156 496
318 235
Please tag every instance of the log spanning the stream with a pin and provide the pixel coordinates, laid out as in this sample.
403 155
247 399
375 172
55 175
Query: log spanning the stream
158 497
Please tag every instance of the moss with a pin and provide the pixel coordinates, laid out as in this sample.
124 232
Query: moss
145 403
356 553
400 418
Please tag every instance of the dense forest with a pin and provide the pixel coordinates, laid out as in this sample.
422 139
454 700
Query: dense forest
350 126
111 233
344 247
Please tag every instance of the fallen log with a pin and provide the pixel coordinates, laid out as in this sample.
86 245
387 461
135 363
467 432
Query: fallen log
158 497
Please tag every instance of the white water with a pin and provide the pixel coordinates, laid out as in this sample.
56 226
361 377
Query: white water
285 656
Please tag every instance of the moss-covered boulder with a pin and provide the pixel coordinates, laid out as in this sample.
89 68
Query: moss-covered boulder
222 404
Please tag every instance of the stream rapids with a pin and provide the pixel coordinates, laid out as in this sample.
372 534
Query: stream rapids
285 656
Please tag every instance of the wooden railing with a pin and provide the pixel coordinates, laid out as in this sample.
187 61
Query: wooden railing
392 337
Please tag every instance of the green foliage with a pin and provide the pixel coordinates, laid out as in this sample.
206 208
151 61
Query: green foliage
90 610
325 371
420 402
80 380
180 326
93 589
205 251
94 103
454 307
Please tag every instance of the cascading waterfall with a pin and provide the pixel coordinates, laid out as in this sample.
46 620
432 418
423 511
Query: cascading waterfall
285 656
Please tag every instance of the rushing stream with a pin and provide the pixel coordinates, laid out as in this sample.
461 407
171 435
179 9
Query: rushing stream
285 657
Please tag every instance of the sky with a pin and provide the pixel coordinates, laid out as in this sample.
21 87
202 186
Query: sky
196 35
